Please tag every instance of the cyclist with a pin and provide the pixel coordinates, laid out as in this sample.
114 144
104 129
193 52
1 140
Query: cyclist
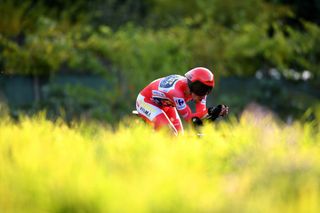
160 102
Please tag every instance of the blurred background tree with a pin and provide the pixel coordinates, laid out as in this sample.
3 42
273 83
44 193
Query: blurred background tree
269 49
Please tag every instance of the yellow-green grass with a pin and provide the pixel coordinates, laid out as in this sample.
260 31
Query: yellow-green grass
249 165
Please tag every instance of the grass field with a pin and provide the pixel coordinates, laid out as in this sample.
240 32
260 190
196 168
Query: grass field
240 166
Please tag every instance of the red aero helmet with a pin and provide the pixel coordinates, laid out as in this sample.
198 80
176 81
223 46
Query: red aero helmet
200 81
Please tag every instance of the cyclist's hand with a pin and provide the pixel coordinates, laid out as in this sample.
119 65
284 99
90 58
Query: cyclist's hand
196 121
224 110
215 112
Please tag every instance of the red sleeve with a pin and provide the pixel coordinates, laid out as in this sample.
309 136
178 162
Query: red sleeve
185 111
201 109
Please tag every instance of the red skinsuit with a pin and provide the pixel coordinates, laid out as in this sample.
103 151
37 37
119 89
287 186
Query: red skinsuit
159 102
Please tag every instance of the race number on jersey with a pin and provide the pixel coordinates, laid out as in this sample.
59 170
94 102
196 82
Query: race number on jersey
168 83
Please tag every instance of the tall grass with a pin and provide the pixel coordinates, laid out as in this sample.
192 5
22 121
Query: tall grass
242 166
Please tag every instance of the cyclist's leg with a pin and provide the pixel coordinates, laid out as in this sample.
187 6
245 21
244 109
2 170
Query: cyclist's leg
174 117
153 114
162 120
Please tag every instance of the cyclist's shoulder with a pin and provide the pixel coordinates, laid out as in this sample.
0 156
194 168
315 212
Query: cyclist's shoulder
171 79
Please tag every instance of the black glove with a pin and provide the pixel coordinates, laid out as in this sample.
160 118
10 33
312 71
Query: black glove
196 122
214 112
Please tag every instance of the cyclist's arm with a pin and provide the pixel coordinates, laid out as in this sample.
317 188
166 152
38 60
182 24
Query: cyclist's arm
185 111
201 109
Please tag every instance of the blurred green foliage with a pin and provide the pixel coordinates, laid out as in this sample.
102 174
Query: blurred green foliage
64 101
234 36
133 42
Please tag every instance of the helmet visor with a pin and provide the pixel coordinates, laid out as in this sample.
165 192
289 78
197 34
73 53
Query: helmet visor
199 88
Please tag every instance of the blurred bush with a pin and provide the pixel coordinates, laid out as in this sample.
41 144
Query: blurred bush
234 38
244 166
236 44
